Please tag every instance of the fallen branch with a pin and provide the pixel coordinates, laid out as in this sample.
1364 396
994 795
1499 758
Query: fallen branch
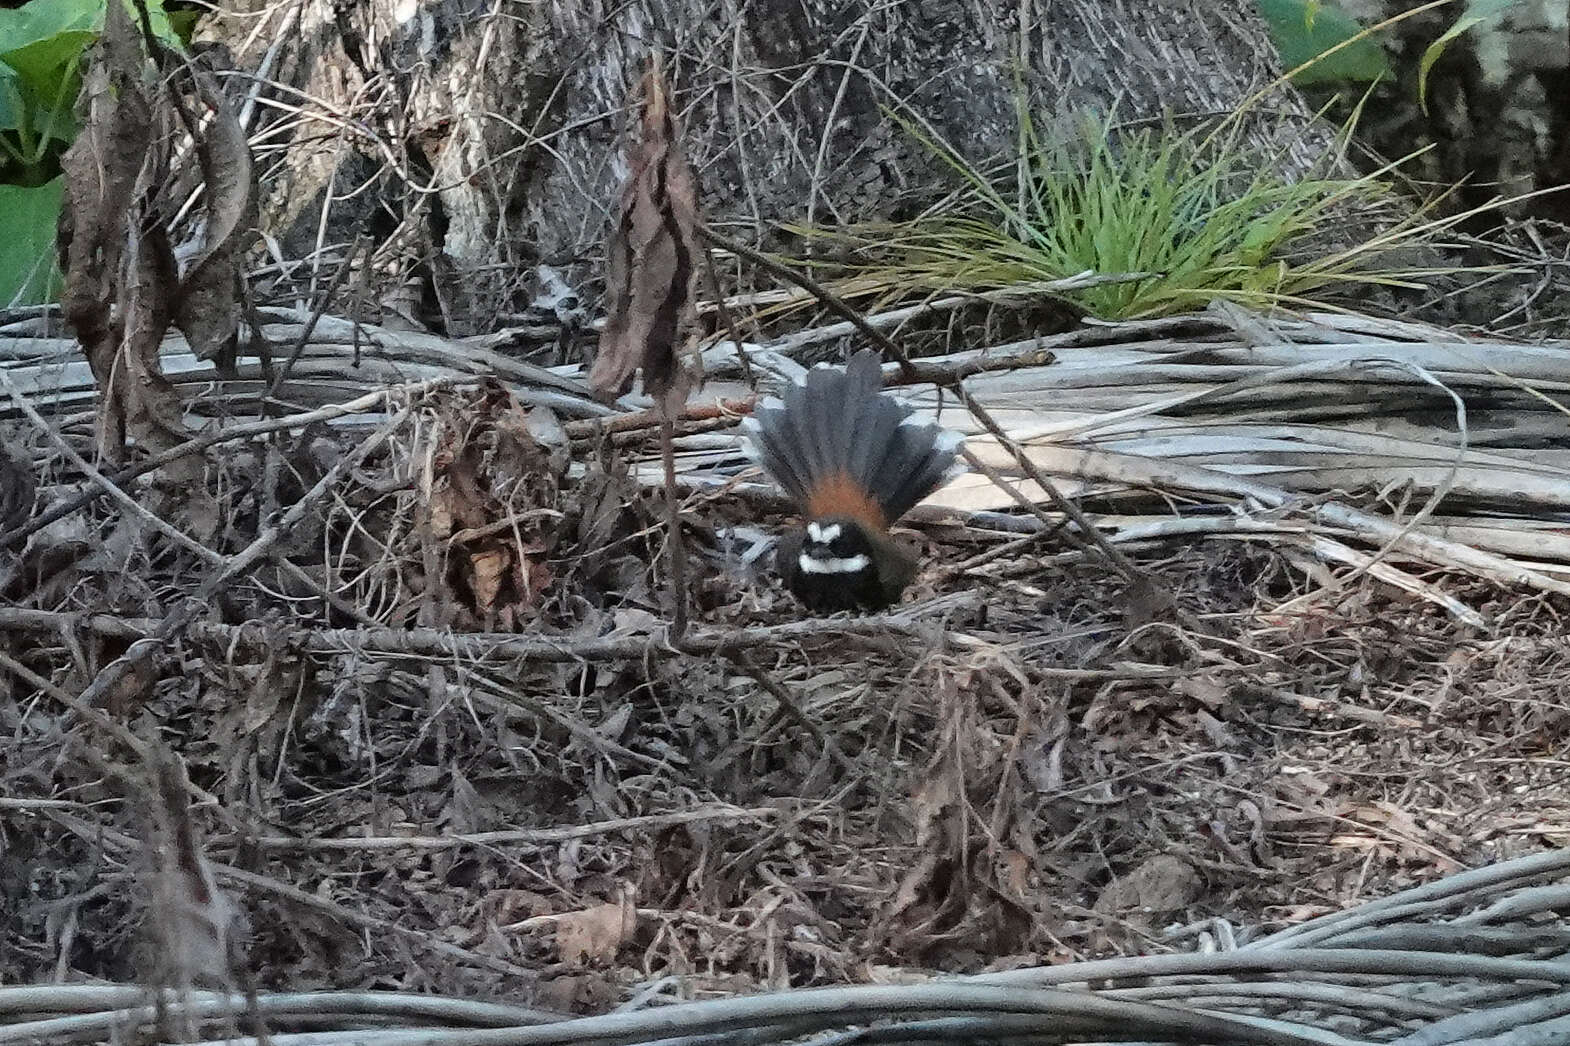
796 341
591 428
918 620
514 837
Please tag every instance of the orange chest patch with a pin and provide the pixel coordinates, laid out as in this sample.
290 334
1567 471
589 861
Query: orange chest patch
839 495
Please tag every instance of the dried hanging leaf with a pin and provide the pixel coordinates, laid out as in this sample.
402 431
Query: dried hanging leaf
207 309
652 260
105 176
120 272
198 929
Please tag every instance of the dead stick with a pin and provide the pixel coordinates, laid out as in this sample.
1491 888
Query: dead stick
511 837
1049 524
636 437
1091 532
104 483
678 549
939 373
912 621
725 318
593 428
310 325
992 555
789 707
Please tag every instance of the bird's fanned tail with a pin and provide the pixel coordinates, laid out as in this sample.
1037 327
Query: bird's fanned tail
836 434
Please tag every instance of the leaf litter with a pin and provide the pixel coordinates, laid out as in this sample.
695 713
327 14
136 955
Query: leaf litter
1033 775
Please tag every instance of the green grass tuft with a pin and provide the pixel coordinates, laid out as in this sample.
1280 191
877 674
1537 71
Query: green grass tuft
1210 217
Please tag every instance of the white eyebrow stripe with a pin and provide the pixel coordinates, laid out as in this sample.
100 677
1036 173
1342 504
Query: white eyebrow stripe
849 565
823 535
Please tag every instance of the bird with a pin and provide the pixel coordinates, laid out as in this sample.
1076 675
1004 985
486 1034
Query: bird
853 461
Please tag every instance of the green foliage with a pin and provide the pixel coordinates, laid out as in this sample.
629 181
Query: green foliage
1306 30
184 22
1207 216
28 274
42 47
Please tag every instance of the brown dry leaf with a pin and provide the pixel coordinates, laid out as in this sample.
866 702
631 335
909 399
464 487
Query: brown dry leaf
1206 689
489 570
492 505
207 309
121 278
198 928
653 256
109 171
596 934
1017 868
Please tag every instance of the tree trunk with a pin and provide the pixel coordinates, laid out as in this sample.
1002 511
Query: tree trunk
491 132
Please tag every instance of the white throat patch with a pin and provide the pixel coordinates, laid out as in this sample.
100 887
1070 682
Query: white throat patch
848 565
823 535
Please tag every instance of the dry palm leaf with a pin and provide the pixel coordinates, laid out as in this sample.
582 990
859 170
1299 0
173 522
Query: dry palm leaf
653 258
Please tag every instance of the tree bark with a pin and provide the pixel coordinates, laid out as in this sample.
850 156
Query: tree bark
491 131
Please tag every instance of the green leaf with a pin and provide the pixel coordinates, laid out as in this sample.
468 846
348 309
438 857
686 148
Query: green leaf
41 37
11 104
183 24
28 273
57 95
1304 30
1477 12
43 62
42 44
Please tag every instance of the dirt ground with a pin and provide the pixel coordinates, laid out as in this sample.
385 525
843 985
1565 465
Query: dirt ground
1034 768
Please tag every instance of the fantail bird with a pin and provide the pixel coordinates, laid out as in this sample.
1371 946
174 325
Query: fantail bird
854 461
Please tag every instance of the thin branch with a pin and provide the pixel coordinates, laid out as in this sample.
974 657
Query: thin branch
228 434
197 604
105 485
514 837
